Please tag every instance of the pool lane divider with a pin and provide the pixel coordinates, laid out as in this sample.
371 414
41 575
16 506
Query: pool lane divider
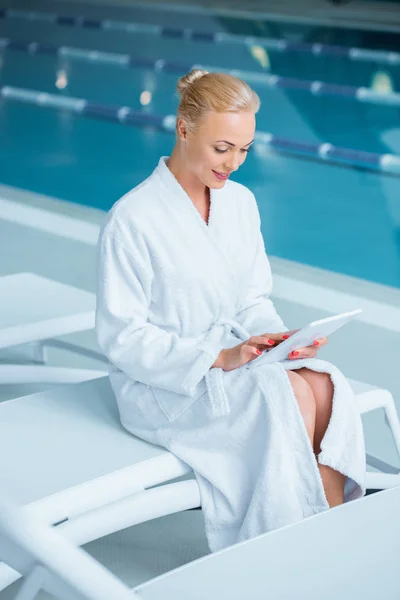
271 44
325 152
317 88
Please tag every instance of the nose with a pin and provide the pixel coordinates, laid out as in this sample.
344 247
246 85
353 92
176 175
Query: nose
233 162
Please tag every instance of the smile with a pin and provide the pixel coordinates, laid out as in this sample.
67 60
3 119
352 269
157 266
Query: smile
220 176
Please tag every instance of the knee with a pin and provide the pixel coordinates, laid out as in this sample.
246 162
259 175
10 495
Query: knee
304 395
320 383
325 383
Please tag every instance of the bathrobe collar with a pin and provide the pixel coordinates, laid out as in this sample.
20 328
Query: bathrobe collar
228 270
173 185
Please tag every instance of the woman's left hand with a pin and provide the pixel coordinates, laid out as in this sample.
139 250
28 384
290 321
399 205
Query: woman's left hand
308 351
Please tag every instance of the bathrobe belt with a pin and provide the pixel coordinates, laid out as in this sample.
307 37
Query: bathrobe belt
236 327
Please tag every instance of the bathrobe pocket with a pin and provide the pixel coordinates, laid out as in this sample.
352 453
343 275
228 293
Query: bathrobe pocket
174 405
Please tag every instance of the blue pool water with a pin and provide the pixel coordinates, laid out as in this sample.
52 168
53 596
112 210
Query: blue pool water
338 218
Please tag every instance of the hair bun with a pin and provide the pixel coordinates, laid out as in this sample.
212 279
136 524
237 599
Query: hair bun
187 80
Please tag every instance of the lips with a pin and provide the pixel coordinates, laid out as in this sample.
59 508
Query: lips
221 176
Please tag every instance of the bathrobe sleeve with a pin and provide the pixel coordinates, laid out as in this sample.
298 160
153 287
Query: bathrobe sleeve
145 352
257 313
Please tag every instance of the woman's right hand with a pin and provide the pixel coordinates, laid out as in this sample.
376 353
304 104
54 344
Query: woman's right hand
232 358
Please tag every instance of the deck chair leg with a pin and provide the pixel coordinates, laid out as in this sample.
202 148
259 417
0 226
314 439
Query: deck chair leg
40 353
388 475
392 420
32 584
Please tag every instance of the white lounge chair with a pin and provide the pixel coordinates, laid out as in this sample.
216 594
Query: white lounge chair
348 552
35 310
78 468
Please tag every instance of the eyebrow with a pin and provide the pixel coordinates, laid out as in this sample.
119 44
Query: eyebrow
230 143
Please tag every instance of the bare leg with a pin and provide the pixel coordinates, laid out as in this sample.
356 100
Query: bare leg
322 387
306 401
333 484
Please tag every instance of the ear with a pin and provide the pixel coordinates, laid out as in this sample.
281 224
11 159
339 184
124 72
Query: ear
181 129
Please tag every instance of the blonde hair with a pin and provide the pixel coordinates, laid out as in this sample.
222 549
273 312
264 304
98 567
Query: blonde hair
201 92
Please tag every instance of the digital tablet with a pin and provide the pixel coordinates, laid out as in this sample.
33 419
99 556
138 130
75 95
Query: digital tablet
305 337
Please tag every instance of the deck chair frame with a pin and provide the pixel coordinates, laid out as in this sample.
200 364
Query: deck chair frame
256 568
22 294
128 496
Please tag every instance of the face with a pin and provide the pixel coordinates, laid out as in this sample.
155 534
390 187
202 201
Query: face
219 146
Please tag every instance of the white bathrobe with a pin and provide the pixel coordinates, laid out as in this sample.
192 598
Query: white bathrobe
174 291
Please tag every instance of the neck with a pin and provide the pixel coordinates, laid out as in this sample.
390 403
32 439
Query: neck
195 189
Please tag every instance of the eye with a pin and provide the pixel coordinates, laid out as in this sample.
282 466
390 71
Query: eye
246 149
219 150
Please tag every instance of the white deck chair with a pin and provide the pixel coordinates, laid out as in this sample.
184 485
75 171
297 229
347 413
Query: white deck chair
78 468
351 551
34 310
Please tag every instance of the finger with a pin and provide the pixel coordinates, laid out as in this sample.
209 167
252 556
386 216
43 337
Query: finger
280 337
266 341
252 352
287 334
308 352
320 342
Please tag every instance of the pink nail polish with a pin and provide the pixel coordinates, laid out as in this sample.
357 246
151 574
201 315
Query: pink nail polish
295 353
316 343
259 352
271 342
285 337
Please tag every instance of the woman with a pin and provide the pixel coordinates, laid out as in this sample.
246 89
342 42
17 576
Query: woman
184 311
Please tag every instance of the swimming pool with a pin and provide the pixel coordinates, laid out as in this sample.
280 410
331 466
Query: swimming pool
336 217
